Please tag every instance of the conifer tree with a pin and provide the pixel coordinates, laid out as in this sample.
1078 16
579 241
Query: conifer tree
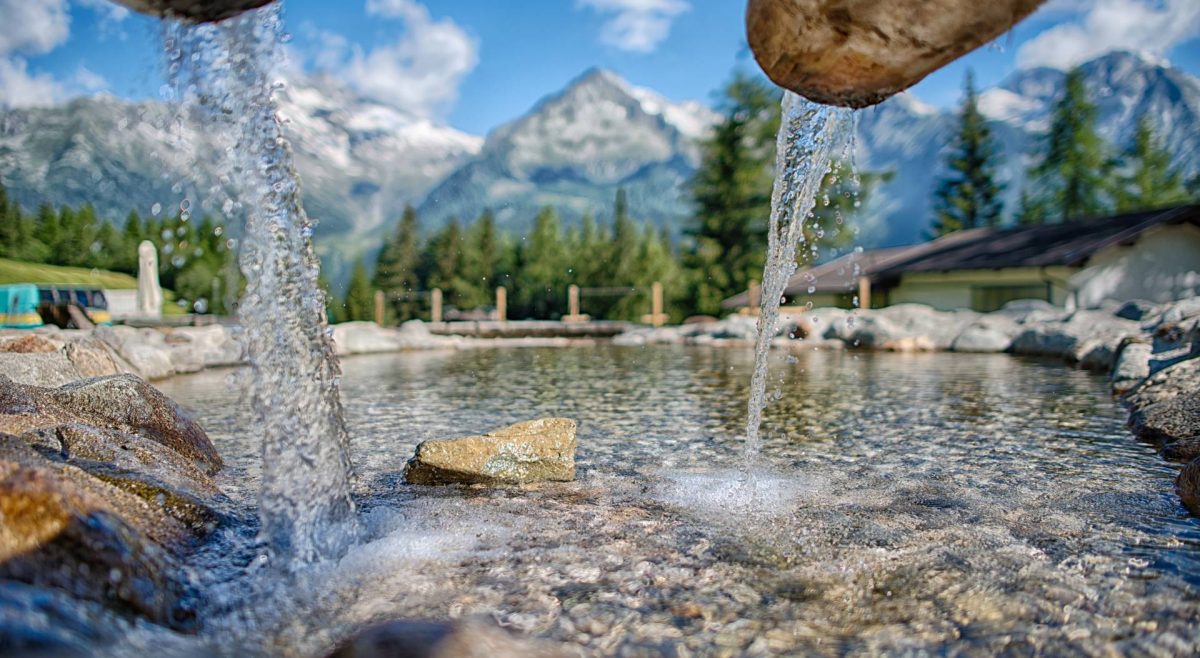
731 193
541 291
969 196
397 268
1147 178
360 299
10 226
445 263
1072 176
48 231
832 226
480 258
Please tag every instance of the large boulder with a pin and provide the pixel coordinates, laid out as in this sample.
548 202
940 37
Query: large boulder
1132 365
1166 384
988 333
92 358
531 451
461 639
1088 337
128 404
139 466
1169 421
364 338
1187 485
122 403
145 350
66 530
38 368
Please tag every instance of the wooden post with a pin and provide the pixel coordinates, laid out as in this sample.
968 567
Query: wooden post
436 302
656 318
502 304
379 307
864 292
755 293
573 314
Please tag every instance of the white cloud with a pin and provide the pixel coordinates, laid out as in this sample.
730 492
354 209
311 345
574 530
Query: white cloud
109 10
33 26
639 25
1152 27
420 72
88 80
20 88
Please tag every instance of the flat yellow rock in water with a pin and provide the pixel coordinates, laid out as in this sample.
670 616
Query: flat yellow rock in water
531 451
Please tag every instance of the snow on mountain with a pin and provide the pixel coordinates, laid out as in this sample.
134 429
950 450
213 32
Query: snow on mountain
910 141
359 161
574 149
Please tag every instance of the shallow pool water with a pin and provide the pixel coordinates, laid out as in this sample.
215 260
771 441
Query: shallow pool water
930 503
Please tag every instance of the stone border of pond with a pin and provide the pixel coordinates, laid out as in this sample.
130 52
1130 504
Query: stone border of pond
125 476
1149 351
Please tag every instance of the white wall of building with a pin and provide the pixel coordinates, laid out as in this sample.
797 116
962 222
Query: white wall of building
1162 266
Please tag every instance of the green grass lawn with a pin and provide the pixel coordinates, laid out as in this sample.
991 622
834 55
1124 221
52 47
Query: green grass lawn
13 271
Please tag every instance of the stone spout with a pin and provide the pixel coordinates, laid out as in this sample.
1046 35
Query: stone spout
856 53
200 11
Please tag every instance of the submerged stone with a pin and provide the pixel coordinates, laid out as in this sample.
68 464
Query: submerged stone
463 639
530 451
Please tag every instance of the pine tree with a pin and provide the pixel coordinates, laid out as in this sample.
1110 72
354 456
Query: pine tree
397 268
1073 174
832 227
1148 180
480 258
360 299
444 265
48 231
541 291
969 196
731 192
1031 211
10 226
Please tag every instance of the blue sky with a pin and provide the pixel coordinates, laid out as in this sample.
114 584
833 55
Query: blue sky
477 63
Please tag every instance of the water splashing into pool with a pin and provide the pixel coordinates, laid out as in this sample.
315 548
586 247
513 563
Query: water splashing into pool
809 137
223 74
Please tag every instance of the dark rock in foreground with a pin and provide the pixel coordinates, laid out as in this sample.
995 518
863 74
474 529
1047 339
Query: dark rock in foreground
65 530
105 484
1188 486
463 639
532 451
123 403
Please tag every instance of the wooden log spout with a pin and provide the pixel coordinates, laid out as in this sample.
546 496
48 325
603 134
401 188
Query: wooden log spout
856 53
198 11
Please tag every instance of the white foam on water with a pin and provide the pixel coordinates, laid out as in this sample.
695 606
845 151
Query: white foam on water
730 493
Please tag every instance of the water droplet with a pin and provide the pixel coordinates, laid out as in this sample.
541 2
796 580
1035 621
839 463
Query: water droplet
156 209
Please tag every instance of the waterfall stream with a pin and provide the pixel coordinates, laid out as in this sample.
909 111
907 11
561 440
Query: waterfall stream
223 75
810 135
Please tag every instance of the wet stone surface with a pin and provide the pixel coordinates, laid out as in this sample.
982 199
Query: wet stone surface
905 503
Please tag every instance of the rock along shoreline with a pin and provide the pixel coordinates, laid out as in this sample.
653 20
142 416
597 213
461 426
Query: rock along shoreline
101 473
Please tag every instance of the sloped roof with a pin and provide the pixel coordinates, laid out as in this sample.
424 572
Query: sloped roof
840 275
1067 244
